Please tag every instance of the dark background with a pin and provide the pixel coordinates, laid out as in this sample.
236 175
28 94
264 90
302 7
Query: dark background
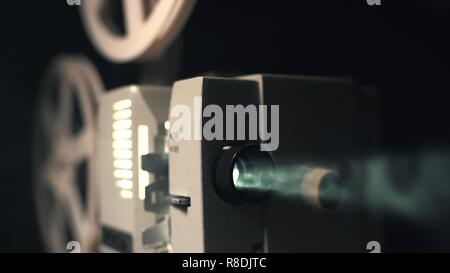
401 48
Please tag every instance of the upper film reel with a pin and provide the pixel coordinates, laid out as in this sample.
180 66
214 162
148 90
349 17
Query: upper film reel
64 147
148 26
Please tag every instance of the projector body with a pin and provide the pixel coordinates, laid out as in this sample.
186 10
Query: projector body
175 206
131 124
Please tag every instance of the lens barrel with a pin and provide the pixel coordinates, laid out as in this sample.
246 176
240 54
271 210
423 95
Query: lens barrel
243 174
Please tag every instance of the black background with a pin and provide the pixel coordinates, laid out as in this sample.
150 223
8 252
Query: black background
401 48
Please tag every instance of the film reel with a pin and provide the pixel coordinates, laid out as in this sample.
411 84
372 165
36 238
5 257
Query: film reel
65 188
124 31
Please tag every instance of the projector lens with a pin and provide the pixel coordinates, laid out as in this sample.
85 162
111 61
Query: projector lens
243 174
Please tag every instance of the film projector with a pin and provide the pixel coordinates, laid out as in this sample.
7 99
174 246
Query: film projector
113 175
